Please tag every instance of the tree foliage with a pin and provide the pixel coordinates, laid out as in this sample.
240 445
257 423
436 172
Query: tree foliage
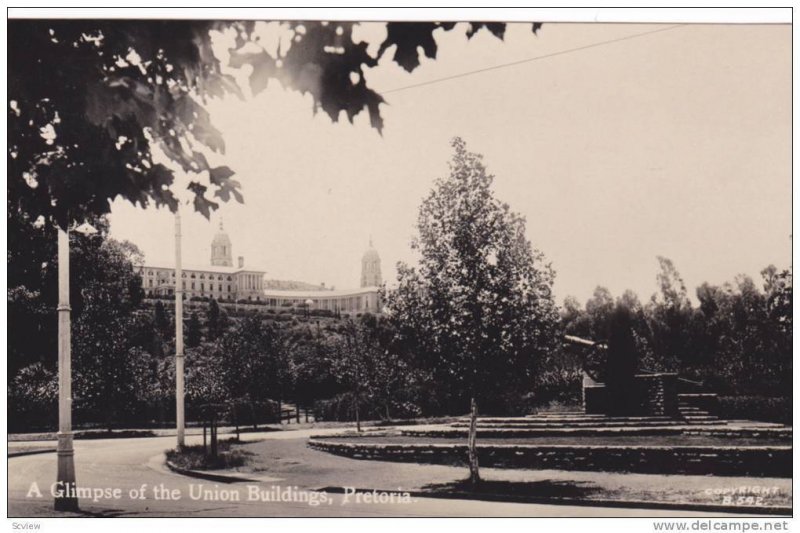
91 100
479 306
736 341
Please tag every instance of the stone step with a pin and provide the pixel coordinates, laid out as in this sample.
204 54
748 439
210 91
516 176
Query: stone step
553 420
558 413
591 424
598 425
564 415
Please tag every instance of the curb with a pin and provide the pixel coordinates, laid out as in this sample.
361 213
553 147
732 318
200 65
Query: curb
219 478
30 452
622 504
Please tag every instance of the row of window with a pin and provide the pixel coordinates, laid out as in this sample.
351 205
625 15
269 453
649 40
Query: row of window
188 294
192 276
220 286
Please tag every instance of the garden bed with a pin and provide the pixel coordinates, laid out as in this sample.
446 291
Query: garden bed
195 458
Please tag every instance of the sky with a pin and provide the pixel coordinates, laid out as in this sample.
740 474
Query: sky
675 143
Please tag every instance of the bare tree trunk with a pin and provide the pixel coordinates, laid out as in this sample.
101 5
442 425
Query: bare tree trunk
214 436
358 417
472 449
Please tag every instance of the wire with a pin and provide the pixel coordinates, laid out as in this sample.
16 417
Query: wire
530 59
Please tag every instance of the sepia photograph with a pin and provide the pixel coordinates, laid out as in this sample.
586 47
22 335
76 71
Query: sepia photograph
508 263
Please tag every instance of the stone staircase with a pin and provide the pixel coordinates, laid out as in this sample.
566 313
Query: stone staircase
695 415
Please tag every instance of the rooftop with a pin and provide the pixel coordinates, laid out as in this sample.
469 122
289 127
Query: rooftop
275 293
206 268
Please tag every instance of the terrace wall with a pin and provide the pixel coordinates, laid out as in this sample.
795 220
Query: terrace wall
757 461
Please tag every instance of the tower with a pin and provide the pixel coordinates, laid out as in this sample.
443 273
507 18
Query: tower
371 267
221 252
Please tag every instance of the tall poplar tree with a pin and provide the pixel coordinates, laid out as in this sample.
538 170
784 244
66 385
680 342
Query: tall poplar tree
479 306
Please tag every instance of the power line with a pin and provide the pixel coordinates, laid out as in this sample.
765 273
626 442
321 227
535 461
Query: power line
531 59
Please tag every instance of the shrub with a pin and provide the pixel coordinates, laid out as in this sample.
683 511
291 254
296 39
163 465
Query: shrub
193 458
341 408
761 408
33 399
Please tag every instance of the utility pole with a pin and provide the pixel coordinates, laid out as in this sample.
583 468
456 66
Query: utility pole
179 358
65 477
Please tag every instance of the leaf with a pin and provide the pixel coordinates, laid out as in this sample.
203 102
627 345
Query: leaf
407 37
497 29
218 175
263 64
202 205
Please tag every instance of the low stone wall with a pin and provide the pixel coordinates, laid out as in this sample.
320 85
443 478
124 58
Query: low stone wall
658 393
746 433
653 394
759 461
512 432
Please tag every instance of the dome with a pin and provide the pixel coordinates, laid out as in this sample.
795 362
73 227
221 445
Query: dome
221 249
221 238
370 254
370 267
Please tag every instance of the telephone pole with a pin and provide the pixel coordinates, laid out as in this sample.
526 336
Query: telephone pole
179 357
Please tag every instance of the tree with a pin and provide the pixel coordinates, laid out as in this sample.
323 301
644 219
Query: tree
669 316
251 357
216 321
480 304
194 334
90 100
162 320
103 369
599 309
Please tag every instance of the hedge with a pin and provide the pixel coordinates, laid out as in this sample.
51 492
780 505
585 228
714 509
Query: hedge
761 408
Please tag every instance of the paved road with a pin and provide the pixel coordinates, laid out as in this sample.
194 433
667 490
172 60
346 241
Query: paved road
127 464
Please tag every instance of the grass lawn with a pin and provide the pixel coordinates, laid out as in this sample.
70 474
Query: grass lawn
310 468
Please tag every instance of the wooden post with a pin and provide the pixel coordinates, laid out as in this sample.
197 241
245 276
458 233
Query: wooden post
65 476
179 358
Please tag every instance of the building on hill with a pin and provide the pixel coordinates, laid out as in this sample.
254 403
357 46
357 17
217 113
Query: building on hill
225 282
353 301
221 280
